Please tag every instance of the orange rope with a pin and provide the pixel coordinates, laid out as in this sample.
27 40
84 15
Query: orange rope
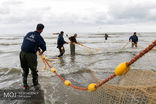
60 77
55 72
106 80
79 88
47 63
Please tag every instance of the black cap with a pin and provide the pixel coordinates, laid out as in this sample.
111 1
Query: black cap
40 27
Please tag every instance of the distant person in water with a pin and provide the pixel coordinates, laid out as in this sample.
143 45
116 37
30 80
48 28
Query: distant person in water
73 41
134 40
106 36
60 43
32 43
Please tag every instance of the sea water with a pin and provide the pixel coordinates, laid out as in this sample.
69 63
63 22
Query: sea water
110 54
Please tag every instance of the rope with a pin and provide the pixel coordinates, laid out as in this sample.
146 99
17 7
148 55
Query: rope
111 76
106 80
88 47
124 45
80 88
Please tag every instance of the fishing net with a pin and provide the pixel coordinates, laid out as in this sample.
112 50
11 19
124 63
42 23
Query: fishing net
136 87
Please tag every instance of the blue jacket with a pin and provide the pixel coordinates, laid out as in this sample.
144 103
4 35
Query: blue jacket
134 38
32 42
60 41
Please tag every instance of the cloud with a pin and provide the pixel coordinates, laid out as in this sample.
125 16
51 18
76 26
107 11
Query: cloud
78 14
132 13
7 5
11 2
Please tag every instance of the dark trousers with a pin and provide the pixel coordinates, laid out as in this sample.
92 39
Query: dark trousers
62 51
29 60
72 49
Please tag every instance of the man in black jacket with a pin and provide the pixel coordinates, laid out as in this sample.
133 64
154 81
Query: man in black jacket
134 39
60 43
32 43
73 41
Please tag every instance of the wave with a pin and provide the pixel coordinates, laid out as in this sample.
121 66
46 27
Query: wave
50 37
7 71
79 53
106 52
10 38
5 52
8 44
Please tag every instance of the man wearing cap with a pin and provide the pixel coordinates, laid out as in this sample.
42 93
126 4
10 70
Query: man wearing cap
32 43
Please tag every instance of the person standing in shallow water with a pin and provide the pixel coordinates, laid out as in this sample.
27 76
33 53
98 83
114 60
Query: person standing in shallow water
134 40
32 43
60 43
106 36
72 44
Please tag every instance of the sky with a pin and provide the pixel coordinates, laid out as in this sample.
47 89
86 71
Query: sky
82 16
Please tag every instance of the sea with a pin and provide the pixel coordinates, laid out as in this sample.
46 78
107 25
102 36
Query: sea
97 55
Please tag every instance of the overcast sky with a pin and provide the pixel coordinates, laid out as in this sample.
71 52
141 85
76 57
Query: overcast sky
20 16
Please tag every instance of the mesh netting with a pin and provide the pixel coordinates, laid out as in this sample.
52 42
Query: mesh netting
136 87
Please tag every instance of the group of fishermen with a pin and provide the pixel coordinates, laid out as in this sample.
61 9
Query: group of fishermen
34 42
61 42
